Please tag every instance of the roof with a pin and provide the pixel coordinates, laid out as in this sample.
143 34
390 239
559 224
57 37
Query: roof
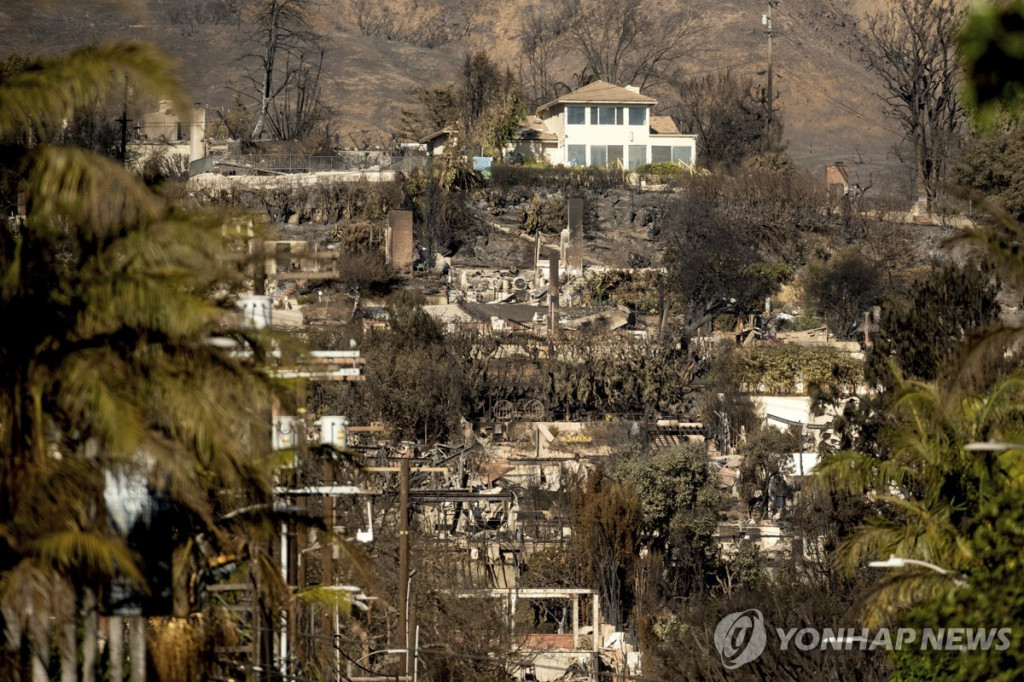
436 134
664 125
600 92
533 128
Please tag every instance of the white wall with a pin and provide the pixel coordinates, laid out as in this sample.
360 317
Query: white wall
602 135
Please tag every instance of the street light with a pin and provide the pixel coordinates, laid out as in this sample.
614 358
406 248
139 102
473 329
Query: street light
991 448
899 562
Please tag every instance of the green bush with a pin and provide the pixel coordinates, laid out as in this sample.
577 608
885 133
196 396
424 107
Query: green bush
665 169
557 178
775 370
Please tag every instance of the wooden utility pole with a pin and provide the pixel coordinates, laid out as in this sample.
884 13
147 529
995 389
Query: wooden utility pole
766 20
123 152
403 562
327 571
553 294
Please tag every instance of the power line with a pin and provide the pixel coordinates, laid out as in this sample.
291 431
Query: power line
722 68
794 82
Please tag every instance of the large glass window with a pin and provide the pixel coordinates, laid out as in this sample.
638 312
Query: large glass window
637 116
576 115
607 116
615 156
661 154
577 155
684 154
637 156
599 155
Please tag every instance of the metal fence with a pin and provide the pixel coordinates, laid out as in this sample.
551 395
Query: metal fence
355 161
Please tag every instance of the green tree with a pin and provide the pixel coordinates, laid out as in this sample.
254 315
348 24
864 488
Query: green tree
713 265
842 288
990 44
485 107
679 503
108 371
767 460
992 599
947 309
415 376
928 490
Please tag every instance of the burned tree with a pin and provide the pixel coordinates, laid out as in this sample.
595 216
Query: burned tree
287 66
911 47
727 113
636 43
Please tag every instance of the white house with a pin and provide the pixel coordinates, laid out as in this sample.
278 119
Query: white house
603 125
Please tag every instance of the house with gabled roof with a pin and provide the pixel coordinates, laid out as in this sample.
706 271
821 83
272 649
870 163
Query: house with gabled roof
603 125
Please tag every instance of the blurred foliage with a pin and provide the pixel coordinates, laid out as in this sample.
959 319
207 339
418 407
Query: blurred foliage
992 48
992 165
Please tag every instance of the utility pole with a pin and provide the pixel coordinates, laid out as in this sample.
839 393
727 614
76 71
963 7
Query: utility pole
766 20
123 152
403 561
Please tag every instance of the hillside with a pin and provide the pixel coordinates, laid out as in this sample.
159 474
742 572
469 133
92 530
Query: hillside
826 97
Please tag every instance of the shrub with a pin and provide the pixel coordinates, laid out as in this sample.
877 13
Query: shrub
557 178
664 169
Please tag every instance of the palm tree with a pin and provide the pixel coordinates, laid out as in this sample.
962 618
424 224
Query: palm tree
109 297
927 490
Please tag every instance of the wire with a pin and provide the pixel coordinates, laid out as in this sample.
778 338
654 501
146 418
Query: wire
723 68
794 81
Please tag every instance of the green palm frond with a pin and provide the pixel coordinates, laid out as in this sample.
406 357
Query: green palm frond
859 473
896 592
52 90
98 193
88 551
325 596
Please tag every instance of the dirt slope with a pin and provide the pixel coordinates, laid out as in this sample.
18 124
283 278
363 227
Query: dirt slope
828 100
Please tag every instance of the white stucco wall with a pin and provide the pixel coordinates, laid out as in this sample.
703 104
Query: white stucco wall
624 134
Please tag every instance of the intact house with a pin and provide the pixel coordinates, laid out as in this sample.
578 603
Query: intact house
604 125
600 125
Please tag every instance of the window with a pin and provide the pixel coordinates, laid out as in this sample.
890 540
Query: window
684 154
615 156
576 115
606 156
637 116
606 116
637 156
577 155
666 154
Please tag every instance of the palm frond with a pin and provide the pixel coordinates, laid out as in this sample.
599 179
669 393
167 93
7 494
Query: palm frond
896 592
76 550
99 193
52 90
326 596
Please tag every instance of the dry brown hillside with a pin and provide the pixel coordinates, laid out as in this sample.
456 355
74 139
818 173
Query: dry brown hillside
827 99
